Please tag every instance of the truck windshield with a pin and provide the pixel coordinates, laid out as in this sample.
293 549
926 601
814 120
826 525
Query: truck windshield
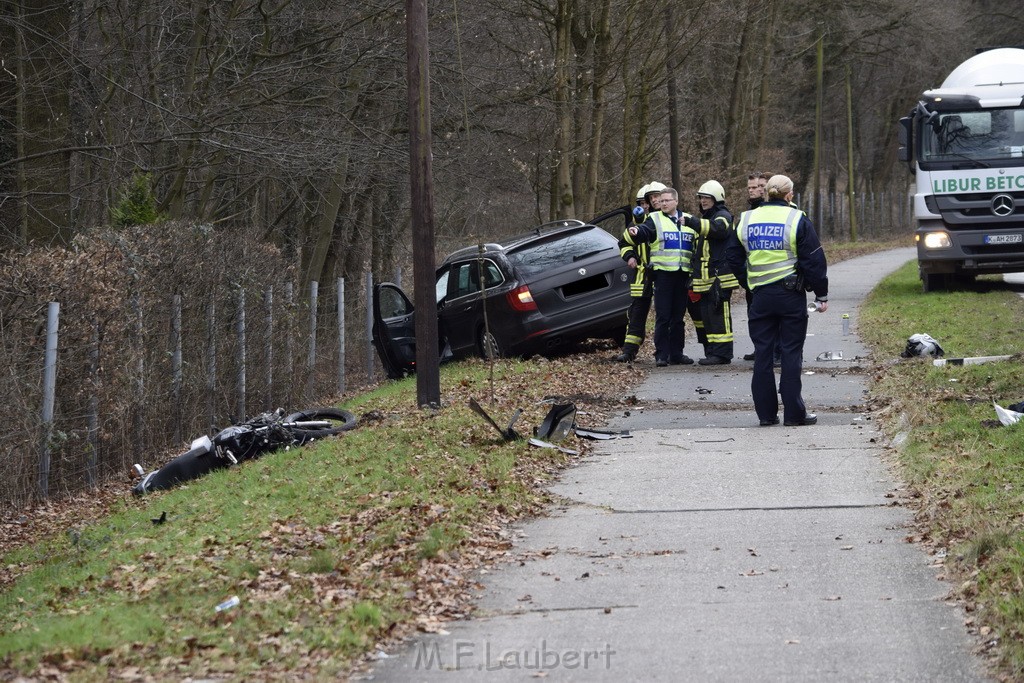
974 136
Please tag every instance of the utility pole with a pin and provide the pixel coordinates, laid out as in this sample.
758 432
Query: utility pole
428 378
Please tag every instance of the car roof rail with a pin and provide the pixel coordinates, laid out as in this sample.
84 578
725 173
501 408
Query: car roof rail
563 223
474 249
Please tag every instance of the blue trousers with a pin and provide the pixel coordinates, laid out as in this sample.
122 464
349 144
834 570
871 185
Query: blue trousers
777 319
670 288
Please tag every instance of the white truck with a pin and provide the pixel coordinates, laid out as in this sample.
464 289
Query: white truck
964 142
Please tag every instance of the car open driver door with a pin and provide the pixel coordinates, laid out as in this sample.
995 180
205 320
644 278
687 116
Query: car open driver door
394 331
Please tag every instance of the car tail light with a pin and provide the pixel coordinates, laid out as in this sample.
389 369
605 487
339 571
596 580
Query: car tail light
521 299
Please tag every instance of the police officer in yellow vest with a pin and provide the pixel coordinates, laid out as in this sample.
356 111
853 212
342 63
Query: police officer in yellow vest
641 289
783 260
710 303
671 264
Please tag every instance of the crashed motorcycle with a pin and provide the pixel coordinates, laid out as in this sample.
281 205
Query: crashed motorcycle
245 441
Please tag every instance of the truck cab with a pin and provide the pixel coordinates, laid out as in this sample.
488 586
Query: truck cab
964 142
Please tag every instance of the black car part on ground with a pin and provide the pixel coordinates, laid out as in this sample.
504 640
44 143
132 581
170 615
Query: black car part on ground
508 433
246 441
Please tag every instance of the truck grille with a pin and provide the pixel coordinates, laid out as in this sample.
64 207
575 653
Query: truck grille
974 211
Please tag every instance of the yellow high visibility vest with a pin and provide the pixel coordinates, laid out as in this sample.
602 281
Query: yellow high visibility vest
768 233
674 248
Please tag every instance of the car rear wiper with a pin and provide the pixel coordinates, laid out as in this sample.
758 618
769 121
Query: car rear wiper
587 255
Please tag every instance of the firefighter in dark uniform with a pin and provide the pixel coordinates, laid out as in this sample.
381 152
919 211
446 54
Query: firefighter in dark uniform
671 264
782 256
710 303
641 288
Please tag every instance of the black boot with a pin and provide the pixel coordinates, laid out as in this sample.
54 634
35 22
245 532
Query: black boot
627 355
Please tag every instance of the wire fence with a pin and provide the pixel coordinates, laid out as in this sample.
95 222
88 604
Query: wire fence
878 215
130 343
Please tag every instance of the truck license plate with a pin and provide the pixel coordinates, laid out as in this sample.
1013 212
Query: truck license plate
1003 239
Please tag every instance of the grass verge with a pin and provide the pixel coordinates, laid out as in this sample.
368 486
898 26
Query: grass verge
333 550
966 470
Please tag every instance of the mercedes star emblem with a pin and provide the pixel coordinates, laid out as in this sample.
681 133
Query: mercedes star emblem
583 271
1002 205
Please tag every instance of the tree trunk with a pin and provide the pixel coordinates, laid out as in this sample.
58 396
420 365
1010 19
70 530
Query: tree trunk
602 66
565 202
673 103
819 102
732 123
766 63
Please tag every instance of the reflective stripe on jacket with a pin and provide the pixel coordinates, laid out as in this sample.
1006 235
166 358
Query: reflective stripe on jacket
768 234
642 253
674 248
710 263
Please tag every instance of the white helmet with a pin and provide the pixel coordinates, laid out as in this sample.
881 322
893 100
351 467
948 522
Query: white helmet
656 187
713 189
642 191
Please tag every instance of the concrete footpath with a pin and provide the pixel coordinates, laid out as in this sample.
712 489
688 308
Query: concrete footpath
707 548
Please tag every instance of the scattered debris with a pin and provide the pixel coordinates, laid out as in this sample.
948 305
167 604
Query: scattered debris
508 434
602 434
561 418
829 355
533 441
233 601
161 519
976 360
1007 417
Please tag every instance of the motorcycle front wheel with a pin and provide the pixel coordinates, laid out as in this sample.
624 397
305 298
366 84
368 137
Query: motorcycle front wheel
340 421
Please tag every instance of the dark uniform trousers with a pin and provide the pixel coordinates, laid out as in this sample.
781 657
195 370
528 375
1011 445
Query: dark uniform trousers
670 299
777 318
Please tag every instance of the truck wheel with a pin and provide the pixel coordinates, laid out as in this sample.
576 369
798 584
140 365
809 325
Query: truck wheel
933 282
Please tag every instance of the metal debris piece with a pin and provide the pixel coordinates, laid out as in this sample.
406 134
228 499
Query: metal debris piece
603 434
508 434
976 360
547 444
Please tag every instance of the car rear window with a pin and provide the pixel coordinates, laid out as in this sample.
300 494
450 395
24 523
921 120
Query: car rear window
561 250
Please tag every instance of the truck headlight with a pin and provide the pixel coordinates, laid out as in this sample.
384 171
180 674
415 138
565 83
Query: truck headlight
937 240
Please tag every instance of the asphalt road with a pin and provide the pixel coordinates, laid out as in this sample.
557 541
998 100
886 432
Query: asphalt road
706 548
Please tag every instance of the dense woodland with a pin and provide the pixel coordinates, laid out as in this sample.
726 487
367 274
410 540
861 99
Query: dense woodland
286 119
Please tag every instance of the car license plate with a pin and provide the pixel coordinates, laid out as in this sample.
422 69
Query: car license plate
1003 239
